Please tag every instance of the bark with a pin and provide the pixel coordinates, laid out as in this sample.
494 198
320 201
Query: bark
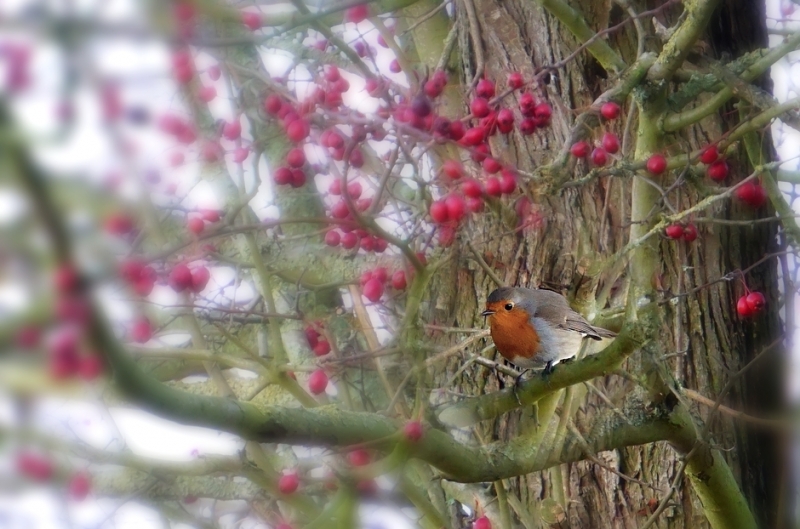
705 340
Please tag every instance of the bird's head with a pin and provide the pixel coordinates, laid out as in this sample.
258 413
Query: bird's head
509 305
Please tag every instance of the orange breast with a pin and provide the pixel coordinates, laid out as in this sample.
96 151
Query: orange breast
513 334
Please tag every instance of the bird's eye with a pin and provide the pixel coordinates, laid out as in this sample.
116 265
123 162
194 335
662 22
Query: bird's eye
509 306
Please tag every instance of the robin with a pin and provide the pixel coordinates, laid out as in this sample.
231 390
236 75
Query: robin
535 328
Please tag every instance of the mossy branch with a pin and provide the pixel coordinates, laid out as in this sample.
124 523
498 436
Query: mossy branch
683 119
475 409
682 41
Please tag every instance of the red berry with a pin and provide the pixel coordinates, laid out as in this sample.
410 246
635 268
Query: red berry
357 158
718 170
456 208
479 153
79 486
420 106
131 270
332 238
332 73
599 157
482 523
251 20
90 367
232 130
515 80
273 104
674 231
196 225
743 308
65 279
493 187
433 89
580 149
367 244
317 382
322 348
34 466
505 120
288 483
610 142
656 164
180 278
472 188
340 210
298 178
479 107
756 301
358 457
141 332
752 194
457 130
354 190
373 290
394 66
296 158
412 431
543 112
381 274
380 245
282 176
210 215
200 278
491 166
453 169
527 126
399 280
485 89
143 286
119 224
610 110
214 72
206 94
297 130
473 136
349 240
312 336
356 14
527 104
709 155
508 183
689 233
439 212
366 276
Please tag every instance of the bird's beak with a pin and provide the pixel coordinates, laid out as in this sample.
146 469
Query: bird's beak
487 313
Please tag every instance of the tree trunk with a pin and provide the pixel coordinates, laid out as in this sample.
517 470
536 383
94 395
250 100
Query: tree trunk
701 341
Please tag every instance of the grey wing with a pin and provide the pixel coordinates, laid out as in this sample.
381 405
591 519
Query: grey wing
575 322
572 321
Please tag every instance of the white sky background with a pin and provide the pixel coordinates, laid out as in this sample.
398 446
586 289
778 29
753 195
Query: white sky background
90 152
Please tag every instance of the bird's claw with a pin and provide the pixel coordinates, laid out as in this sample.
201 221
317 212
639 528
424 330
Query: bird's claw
548 369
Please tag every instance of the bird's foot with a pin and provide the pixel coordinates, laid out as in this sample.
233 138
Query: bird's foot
517 383
548 369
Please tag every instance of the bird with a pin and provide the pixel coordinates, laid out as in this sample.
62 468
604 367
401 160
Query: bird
535 328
